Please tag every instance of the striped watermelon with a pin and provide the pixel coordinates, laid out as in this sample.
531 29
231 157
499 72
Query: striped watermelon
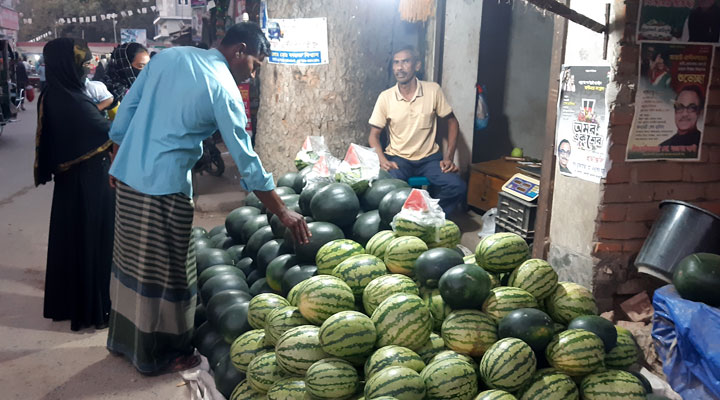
505 299
348 334
261 305
495 395
507 365
333 253
433 347
569 301
401 254
453 355
612 384
403 320
298 349
246 347
576 352
399 382
448 235
625 352
501 252
331 378
494 280
450 380
357 271
437 306
549 384
286 389
385 286
469 332
322 296
243 391
263 372
294 293
536 276
379 242
280 320
405 227
392 356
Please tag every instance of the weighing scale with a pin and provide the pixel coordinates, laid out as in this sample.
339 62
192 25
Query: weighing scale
523 187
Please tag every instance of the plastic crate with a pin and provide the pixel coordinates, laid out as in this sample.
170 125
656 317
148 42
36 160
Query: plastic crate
503 226
517 212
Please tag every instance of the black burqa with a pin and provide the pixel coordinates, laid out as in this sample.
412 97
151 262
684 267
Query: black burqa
72 149
120 74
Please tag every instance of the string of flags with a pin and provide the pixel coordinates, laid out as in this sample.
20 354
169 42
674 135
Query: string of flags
96 18
41 37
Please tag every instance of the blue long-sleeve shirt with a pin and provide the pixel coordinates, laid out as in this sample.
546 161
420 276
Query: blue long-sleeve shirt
180 98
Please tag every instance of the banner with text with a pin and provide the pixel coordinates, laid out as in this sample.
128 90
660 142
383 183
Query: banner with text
680 21
299 41
670 102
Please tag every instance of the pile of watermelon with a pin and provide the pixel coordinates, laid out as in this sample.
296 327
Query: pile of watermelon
365 312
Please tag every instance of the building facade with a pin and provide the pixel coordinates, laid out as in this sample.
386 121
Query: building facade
173 16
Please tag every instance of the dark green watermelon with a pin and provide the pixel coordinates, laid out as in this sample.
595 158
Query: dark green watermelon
200 315
219 270
227 243
278 228
308 193
599 326
203 243
251 226
697 278
208 257
301 180
290 200
235 252
257 240
336 203
216 230
465 286
218 240
252 201
234 322
226 376
384 175
218 351
261 286
246 265
277 268
370 200
392 203
284 190
288 180
236 219
295 275
221 301
205 338
530 325
220 283
198 232
322 233
645 382
268 252
254 276
432 264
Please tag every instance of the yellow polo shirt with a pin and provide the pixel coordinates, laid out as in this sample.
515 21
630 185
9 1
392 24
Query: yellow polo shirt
412 125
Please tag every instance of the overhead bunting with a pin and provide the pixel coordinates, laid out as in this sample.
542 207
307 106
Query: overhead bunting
97 18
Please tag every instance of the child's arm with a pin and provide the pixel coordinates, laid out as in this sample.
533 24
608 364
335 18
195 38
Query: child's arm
105 103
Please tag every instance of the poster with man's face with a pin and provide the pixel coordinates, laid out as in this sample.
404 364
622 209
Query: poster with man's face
680 21
670 102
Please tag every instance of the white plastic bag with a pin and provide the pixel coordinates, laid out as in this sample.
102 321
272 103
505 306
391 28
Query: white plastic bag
360 166
312 149
421 216
488 223
323 170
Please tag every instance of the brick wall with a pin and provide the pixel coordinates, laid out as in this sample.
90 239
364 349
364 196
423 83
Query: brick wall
633 191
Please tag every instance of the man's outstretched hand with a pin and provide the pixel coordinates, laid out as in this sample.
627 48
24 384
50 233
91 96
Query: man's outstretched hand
296 224
448 166
388 165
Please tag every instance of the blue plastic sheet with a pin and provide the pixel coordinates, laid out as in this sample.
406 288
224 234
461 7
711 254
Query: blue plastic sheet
687 339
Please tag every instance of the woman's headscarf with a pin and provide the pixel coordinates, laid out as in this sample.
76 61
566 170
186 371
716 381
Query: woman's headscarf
70 128
120 73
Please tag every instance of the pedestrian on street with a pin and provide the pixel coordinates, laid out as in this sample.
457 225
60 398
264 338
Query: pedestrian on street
126 62
180 98
21 79
41 73
72 149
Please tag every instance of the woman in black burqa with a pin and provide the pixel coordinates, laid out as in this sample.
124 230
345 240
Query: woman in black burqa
72 148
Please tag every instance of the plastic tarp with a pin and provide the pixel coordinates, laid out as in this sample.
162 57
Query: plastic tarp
687 339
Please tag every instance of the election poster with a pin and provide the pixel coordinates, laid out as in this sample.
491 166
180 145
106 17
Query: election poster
581 142
670 102
133 35
298 41
680 21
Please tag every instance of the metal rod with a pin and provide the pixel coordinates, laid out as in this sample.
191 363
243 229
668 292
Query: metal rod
607 31
564 11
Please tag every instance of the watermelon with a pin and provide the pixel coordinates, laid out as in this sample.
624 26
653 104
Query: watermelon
599 326
243 391
277 268
530 325
366 226
251 226
645 382
449 354
403 320
280 320
450 380
294 294
431 348
625 353
261 286
205 337
198 232
217 230
220 283
298 349
535 276
437 306
612 384
233 322
358 271
236 219
235 253
331 378
377 245
504 299
448 235
495 395
206 258
288 180
576 352
348 334
392 356
507 365
200 315
295 275
322 233
548 384
217 352
263 372
469 332
406 227
307 195
371 198
268 252
260 307
383 287
501 252
251 200
432 264
465 286
257 240
322 296
221 241
245 265
246 347
401 254
277 227
202 243
221 301
697 278
333 253
219 270
399 382
569 301
287 389
336 203
392 203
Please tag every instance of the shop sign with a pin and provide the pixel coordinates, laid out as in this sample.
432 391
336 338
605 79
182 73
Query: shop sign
679 21
198 3
299 41
9 19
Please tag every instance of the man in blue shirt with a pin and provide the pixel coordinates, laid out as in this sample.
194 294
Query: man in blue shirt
180 98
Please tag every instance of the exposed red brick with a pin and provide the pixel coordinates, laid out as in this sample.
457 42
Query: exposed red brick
637 212
619 173
712 118
608 246
712 206
632 245
613 212
629 54
622 116
712 191
617 152
677 191
711 135
626 193
622 230
714 96
701 172
619 134
659 171
713 153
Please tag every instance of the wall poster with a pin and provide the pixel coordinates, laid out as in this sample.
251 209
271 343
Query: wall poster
680 21
299 41
581 136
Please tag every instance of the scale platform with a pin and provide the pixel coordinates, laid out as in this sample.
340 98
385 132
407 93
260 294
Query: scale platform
523 187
